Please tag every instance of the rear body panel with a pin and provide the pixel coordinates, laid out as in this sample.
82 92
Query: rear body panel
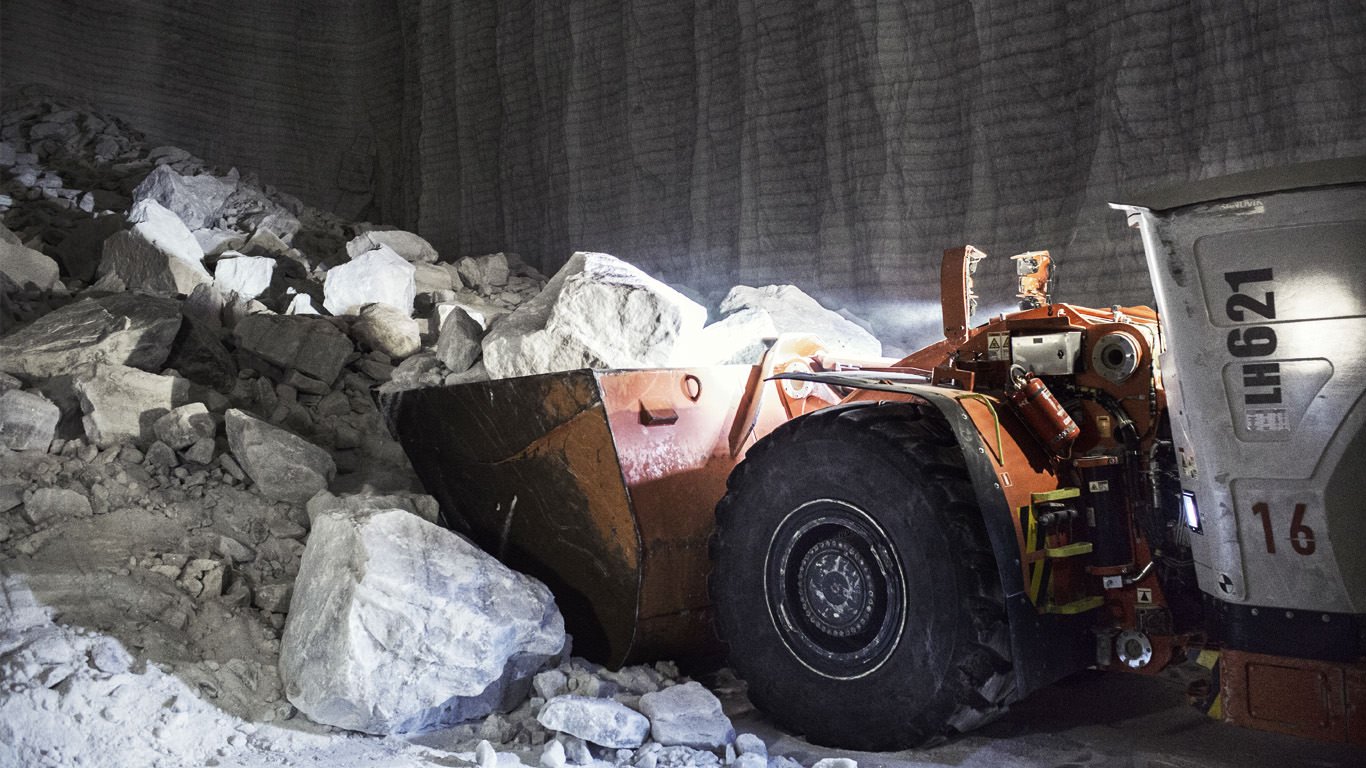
1263 301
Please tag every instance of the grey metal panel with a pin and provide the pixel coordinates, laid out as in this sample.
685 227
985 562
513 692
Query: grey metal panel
1263 304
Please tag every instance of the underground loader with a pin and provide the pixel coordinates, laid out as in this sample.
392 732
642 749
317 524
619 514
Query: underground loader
894 551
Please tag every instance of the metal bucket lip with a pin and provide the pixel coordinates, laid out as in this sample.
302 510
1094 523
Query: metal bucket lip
1317 173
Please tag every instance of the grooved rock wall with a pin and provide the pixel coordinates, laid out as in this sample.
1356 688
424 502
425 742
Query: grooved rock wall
840 145
308 94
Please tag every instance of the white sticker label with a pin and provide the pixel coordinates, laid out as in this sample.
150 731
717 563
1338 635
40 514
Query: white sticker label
998 346
1099 486
1145 596
1267 420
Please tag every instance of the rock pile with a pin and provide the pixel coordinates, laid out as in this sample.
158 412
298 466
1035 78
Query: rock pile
195 479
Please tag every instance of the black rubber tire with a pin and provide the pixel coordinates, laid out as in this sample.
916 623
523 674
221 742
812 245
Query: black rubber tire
877 498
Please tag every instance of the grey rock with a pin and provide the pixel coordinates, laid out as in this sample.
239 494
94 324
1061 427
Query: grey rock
387 329
313 346
687 715
25 267
182 426
458 346
126 329
406 244
214 242
835 762
161 455
485 630
55 504
484 273
603 722
433 278
122 404
202 451
195 200
378 276
28 421
80 251
158 254
274 597
597 312
283 465
233 549
198 354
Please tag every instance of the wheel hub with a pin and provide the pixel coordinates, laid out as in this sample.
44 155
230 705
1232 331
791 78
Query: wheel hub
835 589
834 579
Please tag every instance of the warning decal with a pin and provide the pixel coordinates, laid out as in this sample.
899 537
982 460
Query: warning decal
998 346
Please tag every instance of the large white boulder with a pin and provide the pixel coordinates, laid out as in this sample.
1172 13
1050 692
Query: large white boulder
792 311
283 465
596 312
123 404
687 715
380 275
157 254
123 328
246 276
740 338
400 625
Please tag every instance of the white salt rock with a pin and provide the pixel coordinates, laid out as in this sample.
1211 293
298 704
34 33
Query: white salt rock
410 246
247 276
749 744
28 421
740 338
283 465
400 625
380 275
158 254
687 715
458 345
603 722
553 755
301 304
793 311
597 312
835 762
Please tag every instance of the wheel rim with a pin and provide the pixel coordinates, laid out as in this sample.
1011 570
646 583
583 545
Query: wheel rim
834 588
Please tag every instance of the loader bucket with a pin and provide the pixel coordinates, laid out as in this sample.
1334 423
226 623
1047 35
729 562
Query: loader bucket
602 484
